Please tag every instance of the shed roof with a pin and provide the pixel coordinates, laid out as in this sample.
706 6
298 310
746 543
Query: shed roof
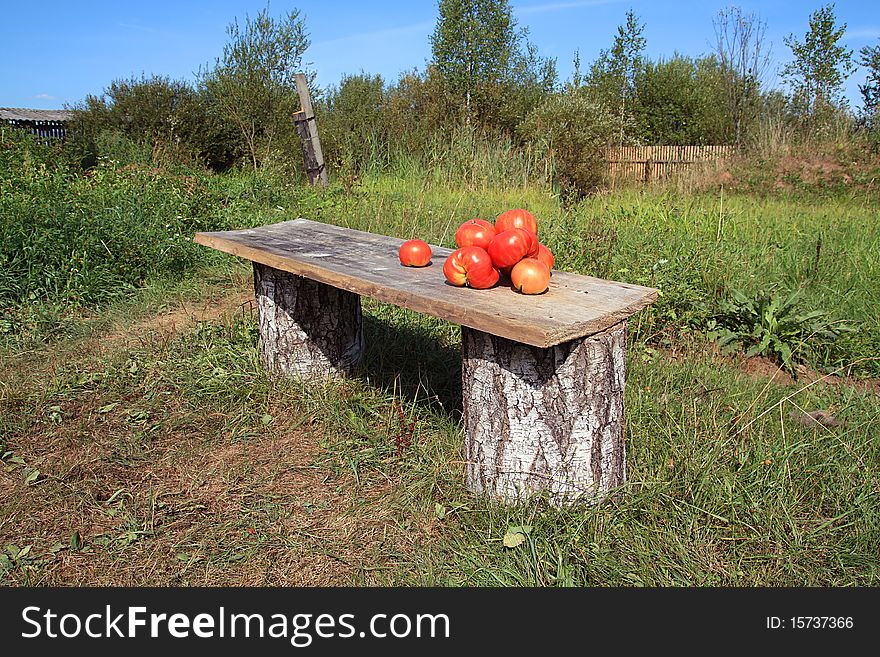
25 114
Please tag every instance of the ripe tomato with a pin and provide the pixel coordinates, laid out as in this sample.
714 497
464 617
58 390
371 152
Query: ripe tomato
545 255
530 276
475 232
470 265
534 246
517 218
511 246
414 253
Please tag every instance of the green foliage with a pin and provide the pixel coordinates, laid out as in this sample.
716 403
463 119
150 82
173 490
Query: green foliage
820 67
152 119
870 90
253 82
417 109
473 44
164 116
351 120
613 74
488 64
677 102
572 129
768 324
66 238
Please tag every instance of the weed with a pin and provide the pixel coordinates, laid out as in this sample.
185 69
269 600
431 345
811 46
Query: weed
771 325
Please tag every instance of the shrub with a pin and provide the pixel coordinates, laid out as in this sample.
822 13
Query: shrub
162 115
66 238
350 119
573 129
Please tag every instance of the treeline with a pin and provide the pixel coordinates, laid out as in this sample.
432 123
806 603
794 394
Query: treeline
487 84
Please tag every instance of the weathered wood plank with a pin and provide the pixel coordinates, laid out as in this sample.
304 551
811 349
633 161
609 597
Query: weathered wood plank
308 132
367 264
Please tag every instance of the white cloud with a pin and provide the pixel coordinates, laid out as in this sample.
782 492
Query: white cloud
560 6
863 33
378 36
44 97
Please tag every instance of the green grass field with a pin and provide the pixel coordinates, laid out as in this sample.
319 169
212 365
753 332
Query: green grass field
143 444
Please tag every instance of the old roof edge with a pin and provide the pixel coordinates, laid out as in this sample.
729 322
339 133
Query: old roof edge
27 114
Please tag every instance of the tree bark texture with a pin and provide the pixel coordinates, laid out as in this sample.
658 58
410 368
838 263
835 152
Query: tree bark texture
307 329
544 420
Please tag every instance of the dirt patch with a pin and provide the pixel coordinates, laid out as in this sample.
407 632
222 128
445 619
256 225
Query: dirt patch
870 385
188 507
186 314
761 368
815 169
758 367
183 493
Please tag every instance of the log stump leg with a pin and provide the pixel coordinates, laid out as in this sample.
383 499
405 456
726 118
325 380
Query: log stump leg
307 329
544 421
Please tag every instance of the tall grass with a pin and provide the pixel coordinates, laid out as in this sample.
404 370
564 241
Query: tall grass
80 239
728 484
71 239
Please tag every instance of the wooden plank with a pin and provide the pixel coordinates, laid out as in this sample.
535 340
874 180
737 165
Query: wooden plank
309 134
367 264
314 168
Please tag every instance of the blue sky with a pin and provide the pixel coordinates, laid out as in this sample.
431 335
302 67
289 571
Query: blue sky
69 49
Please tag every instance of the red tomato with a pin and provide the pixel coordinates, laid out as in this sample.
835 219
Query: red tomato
511 246
530 276
517 218
414 253
470 265
545 255
476 232
534 245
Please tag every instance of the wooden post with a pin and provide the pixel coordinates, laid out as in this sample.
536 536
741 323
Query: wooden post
307 329
544 420
307 129
649 166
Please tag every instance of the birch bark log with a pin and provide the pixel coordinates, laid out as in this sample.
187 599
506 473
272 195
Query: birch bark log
544 420
307 329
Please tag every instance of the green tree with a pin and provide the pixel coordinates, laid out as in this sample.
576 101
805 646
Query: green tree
473 44
613 75
573 129
416 109
676 102
820 67
489 63
253 81
870 112
744 60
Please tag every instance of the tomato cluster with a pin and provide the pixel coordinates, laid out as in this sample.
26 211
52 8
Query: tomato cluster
486 251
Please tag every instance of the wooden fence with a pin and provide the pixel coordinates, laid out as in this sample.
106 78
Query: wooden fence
45 131
649 162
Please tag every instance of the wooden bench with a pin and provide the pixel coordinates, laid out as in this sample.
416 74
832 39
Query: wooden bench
542 376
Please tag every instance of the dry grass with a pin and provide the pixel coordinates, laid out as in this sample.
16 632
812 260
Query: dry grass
165 493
